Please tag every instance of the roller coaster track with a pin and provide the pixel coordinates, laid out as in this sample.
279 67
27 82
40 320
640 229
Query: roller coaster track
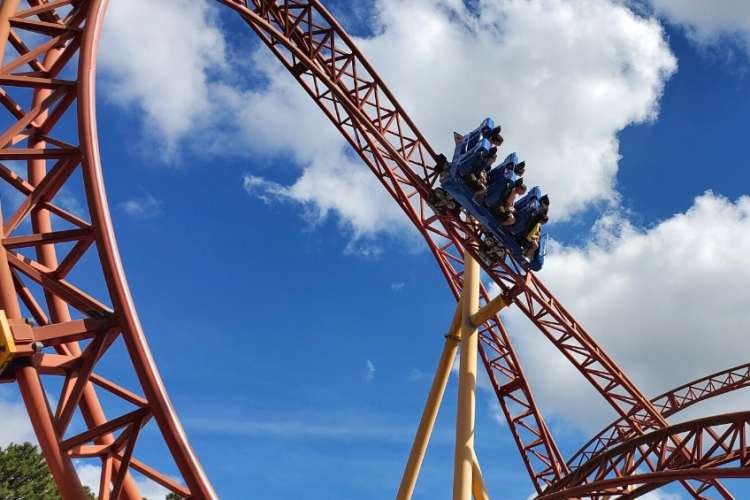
58 329
707 447
668 404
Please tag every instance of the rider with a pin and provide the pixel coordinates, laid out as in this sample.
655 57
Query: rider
494 136
532 239
477 177
505 184
479 181
529 239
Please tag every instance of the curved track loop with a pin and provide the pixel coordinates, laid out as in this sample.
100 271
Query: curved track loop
317 51
321 56
669 403
44 94
715 446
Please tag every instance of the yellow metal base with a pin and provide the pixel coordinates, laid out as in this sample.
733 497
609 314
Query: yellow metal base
467 318
7 344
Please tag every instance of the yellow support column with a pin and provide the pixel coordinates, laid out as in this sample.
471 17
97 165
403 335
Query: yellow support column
467 383
7 10
431 408
478 489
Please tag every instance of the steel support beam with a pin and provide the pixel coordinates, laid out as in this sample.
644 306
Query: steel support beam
7 9
431 408
34 397
467 383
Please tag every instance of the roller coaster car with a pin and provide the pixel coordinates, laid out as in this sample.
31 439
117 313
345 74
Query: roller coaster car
472 149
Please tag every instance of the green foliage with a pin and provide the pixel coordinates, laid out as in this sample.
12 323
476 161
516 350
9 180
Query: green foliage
24 475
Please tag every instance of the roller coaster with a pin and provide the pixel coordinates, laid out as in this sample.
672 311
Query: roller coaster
54 334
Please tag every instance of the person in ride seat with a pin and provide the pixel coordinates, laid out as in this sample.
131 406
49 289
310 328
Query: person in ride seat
530 240
478 179
503 188
519 189
473 168
501 199
494 136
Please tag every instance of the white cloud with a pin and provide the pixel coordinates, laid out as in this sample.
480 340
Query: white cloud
90 475
335 183
545 69
416 375
338 425
157 57
667 303
370 371
657 495
16 427
144 206
707 22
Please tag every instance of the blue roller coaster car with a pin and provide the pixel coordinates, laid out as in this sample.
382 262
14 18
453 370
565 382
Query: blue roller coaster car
470 157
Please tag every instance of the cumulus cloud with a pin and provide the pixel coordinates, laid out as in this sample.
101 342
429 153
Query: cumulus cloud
545 69
334 183
667 303
157 57
707 22
563 77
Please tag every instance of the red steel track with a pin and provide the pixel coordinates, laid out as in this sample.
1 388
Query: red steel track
43 89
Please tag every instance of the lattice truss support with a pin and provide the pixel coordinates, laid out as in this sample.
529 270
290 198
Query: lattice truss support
322 57
61 322
58 333
713 447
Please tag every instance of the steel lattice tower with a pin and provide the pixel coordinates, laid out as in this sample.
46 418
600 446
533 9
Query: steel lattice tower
55 334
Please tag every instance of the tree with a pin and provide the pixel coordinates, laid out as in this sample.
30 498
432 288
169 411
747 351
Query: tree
24 475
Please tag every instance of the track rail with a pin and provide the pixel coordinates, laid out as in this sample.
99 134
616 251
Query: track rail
707 447
321 56
50 81
349 92
669 403
49 126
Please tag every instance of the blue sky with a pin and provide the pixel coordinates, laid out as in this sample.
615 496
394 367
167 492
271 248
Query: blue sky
297 328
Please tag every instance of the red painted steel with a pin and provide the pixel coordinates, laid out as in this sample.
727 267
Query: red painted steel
707 446
48 40
391 146
669 403
320 55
